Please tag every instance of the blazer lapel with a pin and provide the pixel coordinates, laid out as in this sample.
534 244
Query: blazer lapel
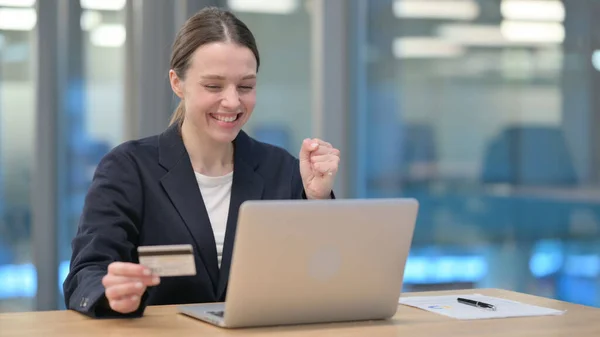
180 185
246 185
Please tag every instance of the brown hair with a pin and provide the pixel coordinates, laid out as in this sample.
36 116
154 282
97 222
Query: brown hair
211 24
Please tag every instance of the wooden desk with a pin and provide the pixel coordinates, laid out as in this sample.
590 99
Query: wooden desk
164 321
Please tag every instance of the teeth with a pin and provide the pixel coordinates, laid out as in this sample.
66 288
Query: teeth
225 119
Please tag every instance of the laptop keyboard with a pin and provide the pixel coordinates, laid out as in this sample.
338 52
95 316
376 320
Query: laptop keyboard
217 313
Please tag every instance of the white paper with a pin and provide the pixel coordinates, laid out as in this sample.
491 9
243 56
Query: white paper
449 306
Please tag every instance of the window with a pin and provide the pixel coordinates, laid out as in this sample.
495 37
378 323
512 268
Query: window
483 111
17 112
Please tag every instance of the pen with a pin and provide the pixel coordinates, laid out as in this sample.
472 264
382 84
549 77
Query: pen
476 304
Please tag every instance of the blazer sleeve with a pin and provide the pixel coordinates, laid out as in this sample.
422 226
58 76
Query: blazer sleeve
108 231
298 191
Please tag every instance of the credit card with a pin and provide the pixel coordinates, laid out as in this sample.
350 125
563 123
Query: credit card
168 260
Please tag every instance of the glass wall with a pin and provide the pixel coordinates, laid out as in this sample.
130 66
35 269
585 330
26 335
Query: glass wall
17 112
487 109
483 110
89 126
283 32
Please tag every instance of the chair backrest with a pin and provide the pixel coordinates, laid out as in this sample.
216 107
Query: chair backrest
529 155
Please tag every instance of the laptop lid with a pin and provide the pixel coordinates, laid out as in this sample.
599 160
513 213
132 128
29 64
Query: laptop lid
310 261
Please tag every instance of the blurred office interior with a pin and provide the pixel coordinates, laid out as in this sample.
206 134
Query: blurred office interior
483 110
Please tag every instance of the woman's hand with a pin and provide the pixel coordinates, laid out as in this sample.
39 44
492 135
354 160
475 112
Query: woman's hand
125 283
318 167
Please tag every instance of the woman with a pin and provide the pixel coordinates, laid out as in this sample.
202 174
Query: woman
185 185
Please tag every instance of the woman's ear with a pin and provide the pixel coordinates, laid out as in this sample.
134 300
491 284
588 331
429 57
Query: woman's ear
176 83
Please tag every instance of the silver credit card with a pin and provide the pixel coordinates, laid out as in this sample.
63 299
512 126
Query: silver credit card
168 260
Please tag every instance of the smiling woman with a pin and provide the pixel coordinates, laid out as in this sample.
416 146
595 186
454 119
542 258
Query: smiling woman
186 185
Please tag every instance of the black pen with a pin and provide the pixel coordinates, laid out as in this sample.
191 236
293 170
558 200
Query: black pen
476 304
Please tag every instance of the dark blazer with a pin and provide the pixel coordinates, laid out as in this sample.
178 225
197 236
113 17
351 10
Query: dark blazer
144 192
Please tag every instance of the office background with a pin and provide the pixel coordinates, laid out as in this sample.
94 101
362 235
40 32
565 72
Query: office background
484 110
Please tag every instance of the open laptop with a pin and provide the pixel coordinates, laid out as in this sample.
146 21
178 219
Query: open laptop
314 261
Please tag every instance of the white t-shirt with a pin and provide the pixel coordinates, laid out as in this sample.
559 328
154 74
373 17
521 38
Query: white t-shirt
216 193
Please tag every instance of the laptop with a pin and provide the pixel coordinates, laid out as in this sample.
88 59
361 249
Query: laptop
314 261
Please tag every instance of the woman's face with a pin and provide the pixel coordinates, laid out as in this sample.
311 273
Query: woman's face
219 89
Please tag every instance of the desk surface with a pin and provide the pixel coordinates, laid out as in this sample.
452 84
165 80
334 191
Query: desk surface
164 321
